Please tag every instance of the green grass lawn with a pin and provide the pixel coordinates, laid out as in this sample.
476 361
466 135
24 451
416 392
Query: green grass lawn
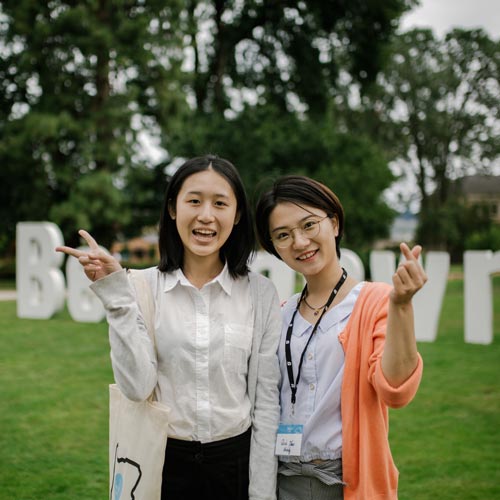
54 408
54 378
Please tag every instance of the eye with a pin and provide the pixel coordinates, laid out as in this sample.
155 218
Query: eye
193 201
220 204
310 225
282 236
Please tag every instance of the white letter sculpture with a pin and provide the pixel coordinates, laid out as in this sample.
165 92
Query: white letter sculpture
277 271
39 281
351 262
83 304
478 295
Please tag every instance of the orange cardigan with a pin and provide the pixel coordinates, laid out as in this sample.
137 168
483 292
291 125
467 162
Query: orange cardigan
367 465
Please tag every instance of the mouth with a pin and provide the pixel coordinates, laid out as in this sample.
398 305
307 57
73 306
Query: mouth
307 255
204 234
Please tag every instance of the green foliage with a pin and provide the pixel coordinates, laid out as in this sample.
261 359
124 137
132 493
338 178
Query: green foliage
95 204
278 144
460 228
436 109
356 170
284 50
261 141
484 240
77 81
249 80
262 87
8 269
144 191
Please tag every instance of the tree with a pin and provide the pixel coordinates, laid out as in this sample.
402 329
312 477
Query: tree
77 82
144 188
262 83
436 109
283 52
266 143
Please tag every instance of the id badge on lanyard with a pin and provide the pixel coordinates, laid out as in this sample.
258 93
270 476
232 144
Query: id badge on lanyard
289 440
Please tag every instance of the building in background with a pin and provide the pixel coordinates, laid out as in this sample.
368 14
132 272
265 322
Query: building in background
143 249
481 190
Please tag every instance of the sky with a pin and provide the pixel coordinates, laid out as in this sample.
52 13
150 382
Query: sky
443 15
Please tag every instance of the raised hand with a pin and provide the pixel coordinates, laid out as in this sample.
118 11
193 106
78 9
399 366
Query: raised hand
409 277
95 262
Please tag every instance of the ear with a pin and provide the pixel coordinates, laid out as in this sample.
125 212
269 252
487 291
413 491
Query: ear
335 224
171 210
237 218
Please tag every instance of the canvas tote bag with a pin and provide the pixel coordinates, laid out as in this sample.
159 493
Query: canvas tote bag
137 431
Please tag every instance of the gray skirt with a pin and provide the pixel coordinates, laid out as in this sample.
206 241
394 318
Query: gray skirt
310 481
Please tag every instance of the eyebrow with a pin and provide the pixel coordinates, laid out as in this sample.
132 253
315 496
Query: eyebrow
200 193
280 228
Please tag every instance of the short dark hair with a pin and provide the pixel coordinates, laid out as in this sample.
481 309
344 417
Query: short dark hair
299 190
240 245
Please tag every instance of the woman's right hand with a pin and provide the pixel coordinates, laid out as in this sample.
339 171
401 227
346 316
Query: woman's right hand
95 262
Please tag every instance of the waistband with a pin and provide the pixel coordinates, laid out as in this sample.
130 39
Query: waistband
219 445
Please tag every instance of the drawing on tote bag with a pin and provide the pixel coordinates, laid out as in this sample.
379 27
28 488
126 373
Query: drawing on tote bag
117 485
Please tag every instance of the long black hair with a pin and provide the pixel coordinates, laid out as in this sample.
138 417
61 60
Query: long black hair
299 190
241 242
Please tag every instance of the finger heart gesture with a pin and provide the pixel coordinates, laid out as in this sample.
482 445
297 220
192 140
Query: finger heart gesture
409 277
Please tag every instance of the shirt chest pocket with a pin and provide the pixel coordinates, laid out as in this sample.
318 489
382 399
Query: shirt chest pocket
237 347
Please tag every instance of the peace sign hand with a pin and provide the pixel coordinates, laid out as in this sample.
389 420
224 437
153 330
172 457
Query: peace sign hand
95 262
409 277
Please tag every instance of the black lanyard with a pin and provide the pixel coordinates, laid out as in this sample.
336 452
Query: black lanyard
288 353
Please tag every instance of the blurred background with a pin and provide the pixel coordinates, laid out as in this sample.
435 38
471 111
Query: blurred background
394 105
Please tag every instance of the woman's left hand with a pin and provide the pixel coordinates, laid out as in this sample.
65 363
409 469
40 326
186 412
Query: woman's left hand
409 277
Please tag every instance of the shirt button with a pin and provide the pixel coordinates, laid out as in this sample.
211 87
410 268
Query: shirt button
311 386
310 356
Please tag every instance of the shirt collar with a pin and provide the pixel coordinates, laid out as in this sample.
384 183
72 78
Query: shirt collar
177 277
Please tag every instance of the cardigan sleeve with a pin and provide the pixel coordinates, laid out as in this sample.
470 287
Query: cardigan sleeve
133 356
395 397
265 414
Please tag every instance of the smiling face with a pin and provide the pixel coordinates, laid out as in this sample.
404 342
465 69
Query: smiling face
306 255
205 212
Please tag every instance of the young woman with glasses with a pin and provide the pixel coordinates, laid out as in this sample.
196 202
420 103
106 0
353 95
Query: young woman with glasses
347 352
217 332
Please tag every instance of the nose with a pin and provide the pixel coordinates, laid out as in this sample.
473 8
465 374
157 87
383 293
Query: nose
206 213
300 240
